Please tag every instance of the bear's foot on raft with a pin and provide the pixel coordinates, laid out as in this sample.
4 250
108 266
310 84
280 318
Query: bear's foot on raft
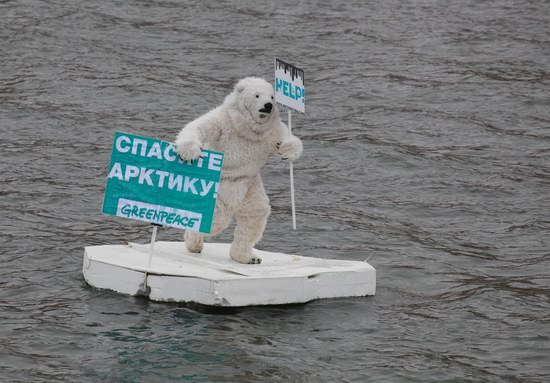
194 242
243 255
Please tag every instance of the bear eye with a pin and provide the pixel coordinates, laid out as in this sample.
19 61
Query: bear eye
272 97
257 96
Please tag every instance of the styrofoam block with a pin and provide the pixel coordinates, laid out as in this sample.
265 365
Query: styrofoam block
212 278
108 276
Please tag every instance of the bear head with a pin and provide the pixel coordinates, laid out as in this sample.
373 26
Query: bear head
255 99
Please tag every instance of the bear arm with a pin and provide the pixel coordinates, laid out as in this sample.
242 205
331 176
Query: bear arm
201 130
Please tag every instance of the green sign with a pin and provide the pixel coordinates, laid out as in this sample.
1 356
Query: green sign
149 182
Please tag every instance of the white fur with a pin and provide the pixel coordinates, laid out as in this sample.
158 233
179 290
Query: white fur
238 129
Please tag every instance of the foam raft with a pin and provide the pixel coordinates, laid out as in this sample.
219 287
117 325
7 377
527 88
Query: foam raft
212 278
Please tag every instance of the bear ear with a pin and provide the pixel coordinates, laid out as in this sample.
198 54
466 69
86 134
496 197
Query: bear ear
242 84
239 87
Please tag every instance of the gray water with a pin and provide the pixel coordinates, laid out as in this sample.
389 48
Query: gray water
427 152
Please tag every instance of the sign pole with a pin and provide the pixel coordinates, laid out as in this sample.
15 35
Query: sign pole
292 178
153 238
290 92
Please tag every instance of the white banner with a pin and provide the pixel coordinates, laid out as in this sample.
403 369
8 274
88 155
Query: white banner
289 86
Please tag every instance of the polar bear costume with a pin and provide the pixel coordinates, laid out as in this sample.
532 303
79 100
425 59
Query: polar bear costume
246 128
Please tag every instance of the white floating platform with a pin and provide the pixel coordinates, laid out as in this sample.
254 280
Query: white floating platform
212 278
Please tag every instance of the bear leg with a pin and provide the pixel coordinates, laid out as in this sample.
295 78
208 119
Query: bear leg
251 220
222 218
194 241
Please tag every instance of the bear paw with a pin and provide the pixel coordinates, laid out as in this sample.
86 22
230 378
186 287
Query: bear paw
244 257
193 241
290 150
189 150
255 260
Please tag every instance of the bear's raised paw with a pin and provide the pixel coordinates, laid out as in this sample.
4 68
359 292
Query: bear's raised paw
188 150
290 150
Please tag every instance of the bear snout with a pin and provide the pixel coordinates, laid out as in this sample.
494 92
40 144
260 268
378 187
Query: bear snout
267 108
